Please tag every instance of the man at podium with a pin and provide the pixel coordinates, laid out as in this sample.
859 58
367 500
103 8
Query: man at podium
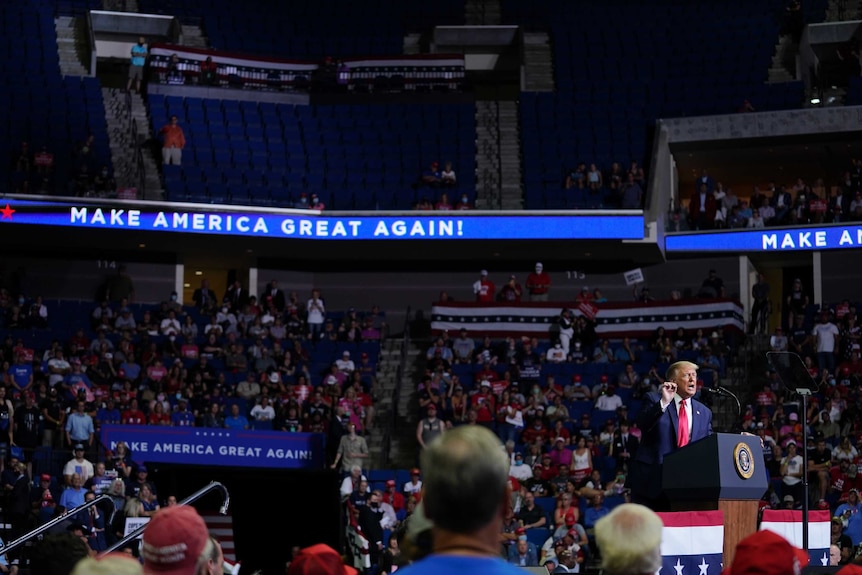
669 420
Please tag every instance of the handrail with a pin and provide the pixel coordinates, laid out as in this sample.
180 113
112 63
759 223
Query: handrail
139 161
193 497
59 519
498 189
385 454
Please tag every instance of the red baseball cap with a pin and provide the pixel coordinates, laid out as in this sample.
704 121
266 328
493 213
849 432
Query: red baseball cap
576 377
414 471
604 378
319 559
766 553
174 540
390 483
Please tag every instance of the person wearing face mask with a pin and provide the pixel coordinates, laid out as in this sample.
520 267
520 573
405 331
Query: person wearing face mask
464 203
370 516
518 470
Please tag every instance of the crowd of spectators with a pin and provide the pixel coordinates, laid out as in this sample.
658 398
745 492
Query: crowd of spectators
434 187
33 171
624 188
713 205
566 420
225 362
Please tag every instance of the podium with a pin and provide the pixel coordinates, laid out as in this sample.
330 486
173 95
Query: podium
723 472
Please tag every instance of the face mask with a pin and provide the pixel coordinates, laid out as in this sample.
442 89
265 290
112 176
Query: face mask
173 297
20 300
464 200
224 310
172 338
375 505
519 462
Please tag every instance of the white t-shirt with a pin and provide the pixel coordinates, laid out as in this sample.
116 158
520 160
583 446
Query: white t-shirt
261 413
825 334
83 468
410 488
793 466
316 310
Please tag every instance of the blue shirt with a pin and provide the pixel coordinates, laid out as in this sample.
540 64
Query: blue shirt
238 422
79 426
106 416
183 418
459 564
21 374
139 54
132 370
71 498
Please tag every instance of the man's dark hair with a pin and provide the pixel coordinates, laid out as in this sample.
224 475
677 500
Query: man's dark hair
57 554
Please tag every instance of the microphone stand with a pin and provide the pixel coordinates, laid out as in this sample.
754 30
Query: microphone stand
804 417
794 375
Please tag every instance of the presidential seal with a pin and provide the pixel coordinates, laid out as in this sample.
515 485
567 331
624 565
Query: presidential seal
743 460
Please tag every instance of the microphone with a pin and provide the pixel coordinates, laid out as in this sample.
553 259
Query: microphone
718 390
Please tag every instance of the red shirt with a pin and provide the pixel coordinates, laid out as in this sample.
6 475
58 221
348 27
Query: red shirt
135 417
486 290
395 499
158 419
538 284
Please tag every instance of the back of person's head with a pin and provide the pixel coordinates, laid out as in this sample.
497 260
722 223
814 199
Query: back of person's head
319 559
110 564
629 539
57 554
176 542
465 479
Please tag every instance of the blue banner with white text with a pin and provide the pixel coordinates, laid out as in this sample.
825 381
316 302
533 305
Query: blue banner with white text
310 225
216 446
809 238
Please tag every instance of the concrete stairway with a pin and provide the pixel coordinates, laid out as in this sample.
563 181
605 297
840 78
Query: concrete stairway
384 391
512 197
783 68
498 156
121 5
117 116
487 155
412 43
70 46
483 13
538 62
194 37
405 449
120 109
843 10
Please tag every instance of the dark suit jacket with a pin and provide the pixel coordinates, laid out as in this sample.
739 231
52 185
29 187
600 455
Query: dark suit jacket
658 438
369 522
630 445
711 206
237 297
198 297
278 299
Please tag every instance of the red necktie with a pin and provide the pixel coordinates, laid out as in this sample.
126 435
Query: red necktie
682 435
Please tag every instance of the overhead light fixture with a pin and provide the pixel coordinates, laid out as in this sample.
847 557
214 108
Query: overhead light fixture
815 101
186 286
199 273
